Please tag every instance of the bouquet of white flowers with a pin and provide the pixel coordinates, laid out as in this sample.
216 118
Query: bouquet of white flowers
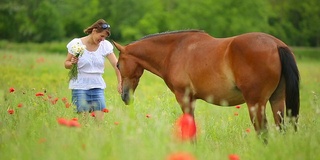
77 50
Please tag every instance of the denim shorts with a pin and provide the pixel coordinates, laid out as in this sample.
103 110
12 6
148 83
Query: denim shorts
88 100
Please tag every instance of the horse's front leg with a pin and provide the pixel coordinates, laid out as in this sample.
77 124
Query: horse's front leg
186 102
188 128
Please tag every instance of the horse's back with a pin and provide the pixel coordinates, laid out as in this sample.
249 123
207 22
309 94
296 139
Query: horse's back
258 50
257 41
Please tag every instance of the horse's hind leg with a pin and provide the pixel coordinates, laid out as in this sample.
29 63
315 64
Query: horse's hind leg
256 100
277 101
259 119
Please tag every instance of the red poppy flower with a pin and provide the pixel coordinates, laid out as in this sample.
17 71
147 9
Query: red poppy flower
74 119
105 110
181 156
64 99
248 130
10 111
63 121
67 105
116 123
238 106
39 94
234 157
54 101
11 89
186 127
20 105
93 114
73 123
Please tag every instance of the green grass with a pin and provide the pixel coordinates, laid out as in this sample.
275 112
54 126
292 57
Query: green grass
307 53
49 47
33 132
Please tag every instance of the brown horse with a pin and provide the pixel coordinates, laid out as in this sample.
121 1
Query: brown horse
252 68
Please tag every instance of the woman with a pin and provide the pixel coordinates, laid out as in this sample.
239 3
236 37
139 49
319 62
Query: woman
88 87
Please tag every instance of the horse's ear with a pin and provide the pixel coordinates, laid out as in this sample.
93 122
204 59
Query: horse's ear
118 46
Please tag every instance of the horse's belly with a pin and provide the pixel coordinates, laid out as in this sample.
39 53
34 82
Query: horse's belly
224 98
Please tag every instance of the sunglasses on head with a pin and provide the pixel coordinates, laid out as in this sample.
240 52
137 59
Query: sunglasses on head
105 26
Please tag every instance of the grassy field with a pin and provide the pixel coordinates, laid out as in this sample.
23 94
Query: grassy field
141 131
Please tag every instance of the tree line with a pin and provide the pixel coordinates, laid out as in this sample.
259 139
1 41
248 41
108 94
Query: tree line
293 21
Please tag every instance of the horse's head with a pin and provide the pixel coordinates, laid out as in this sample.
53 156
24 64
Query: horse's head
130 71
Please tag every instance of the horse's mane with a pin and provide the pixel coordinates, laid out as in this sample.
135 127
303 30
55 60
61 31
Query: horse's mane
170 32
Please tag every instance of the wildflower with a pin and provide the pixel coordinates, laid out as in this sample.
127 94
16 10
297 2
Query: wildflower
10 111
148 116
186 127
180 156
39 94
116 123
105 110
64 99
77 50
73 123
234 157
238 106
248 130
67 105
54 101
93 114
69 123
20 105
63 121
11 90
236 114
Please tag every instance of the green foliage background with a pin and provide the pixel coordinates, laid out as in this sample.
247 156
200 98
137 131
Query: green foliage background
293 21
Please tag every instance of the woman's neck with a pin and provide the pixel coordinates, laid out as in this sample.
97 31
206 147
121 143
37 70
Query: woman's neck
89 40
90 43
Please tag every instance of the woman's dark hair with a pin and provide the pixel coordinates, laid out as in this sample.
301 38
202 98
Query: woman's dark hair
101 25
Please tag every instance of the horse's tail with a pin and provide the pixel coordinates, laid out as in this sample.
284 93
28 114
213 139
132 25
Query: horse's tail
291 75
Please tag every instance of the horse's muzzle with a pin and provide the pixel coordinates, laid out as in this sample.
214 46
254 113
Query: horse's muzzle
125 96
